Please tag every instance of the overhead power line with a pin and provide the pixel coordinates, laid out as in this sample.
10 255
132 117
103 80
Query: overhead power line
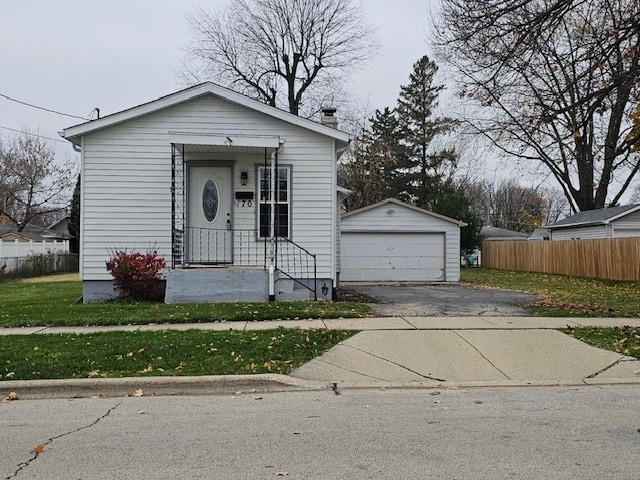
33 134
41 108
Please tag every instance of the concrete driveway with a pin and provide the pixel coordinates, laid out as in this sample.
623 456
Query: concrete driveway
422 300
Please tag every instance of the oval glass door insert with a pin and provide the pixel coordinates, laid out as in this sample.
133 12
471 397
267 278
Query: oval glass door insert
210 200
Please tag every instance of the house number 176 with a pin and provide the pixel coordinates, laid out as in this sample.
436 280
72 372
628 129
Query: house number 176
244 203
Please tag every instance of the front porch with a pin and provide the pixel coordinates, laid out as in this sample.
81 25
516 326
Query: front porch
229 232
217 273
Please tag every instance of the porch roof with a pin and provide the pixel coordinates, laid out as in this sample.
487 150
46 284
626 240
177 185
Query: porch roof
187 142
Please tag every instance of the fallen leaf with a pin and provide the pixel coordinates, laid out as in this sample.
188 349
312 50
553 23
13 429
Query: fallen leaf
100 395
143 412
10 397
38 449
257 398
478 402
136 393
282 474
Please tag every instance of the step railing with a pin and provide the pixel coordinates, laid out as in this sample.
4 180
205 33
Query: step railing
298 264
243 247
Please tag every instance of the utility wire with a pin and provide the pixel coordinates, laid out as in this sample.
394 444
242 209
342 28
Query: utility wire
33 134
41 108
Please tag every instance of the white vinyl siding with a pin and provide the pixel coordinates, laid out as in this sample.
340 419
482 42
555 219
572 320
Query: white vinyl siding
581 233
433 240
127 179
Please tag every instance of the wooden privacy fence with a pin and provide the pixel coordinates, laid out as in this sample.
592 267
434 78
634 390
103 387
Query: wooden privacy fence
610 258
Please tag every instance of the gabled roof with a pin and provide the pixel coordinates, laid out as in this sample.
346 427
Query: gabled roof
602 216
74 133
497 232
394 201
31 232
540 234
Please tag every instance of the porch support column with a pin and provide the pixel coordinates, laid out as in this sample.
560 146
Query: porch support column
272 227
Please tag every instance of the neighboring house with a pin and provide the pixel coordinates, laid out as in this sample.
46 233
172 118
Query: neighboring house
540 234
614 222
61 226
193 175
496 233
394 241
31 240
30 233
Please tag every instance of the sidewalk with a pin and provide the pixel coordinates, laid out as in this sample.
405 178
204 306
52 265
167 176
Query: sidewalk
377 323
418 352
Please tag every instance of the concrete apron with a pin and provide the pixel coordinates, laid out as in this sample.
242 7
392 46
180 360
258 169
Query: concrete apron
440 358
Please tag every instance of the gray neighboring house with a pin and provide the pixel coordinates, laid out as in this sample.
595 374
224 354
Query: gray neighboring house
496 233
30 233
540 234
614 222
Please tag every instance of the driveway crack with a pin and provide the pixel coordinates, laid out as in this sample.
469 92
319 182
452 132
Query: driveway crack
427 377
481 354
36 454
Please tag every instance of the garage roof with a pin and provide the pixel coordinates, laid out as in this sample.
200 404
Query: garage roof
393 201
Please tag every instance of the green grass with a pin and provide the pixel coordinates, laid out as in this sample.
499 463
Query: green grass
561 295
162 353
624 340
28 303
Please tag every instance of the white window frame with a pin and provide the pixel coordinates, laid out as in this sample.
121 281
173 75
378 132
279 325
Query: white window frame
264 199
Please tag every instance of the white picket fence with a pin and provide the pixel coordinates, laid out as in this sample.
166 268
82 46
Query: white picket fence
17 249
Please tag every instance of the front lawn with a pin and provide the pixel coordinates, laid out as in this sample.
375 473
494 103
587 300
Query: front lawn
164 353
624 340
55 303
563 296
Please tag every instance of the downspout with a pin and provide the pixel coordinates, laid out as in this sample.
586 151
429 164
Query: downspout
272 227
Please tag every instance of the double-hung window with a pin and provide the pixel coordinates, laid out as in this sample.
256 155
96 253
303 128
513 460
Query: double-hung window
282 197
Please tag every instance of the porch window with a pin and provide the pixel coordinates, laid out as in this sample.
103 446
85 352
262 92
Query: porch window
283 201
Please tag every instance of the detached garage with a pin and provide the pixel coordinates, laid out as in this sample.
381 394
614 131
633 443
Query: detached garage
393 241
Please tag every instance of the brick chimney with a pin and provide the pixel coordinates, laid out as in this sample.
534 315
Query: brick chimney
329 118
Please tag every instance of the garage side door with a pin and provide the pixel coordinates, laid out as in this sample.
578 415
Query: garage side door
392 256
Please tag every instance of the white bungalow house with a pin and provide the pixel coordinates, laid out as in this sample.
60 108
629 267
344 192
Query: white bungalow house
193 176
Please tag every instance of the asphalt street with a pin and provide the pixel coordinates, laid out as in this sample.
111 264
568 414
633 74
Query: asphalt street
589 432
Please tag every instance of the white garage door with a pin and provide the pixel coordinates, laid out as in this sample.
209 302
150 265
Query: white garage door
392 256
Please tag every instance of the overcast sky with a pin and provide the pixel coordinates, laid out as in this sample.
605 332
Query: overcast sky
74 55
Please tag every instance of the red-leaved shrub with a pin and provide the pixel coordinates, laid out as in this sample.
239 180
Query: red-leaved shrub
138 275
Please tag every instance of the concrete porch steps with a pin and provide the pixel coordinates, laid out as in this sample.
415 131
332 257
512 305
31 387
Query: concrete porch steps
229 284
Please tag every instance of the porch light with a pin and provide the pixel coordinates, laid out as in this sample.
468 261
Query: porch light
244 177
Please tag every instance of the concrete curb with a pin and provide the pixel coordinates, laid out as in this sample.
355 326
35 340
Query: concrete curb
249 385
157 386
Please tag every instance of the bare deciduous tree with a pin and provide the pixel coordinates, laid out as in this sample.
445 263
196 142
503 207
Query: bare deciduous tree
555 82
281 52
507 204
32 183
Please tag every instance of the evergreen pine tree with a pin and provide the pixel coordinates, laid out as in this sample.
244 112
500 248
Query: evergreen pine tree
422 169
370 174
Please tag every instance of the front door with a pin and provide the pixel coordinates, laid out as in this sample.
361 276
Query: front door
210 235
